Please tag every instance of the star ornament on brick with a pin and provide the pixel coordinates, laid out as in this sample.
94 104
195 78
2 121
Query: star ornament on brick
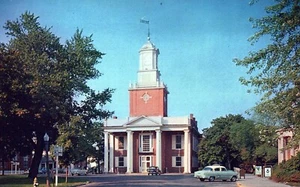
146 97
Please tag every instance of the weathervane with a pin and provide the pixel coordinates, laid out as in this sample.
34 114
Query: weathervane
146 22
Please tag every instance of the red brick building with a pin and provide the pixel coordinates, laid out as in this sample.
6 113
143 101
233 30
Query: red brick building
148 136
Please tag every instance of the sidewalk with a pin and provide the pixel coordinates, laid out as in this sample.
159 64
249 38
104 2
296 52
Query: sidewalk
254 181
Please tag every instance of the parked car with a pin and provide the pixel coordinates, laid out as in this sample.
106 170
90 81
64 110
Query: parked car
216 172
78 171
153 170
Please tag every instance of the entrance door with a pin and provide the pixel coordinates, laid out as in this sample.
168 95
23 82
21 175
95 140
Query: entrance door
145 162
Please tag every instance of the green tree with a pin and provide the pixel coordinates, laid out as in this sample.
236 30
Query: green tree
275 69
243 136
266 150
55 75
11 85
215 146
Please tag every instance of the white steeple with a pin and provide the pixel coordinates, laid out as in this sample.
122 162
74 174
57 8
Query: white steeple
148 74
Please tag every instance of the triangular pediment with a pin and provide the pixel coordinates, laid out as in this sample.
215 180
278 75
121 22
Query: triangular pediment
144 121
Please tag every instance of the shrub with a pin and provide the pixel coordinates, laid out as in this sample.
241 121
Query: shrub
288 171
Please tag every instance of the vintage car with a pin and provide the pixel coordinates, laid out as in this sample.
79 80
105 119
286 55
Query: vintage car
78 171
153 170
216 172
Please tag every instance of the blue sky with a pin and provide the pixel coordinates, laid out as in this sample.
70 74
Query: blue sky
198 40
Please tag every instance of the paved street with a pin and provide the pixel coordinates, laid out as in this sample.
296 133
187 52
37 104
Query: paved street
254 181
152 181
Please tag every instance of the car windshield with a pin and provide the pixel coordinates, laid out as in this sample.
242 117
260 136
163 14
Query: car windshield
207 169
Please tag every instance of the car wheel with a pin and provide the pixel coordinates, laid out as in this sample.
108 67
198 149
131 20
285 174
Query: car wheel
233 179
211 179
201 179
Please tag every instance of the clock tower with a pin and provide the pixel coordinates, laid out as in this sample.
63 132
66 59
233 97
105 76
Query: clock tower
148 96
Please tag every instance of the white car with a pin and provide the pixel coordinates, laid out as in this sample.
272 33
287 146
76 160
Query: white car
216 172
78 171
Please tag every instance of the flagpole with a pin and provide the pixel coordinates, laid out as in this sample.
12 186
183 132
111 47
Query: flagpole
148 23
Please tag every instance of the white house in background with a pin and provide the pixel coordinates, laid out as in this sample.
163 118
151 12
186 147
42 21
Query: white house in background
148 137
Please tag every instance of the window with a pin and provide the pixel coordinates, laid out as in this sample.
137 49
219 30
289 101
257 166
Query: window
146 143
121 142
223 169
178 161
121 161
178 142
207 169
217 169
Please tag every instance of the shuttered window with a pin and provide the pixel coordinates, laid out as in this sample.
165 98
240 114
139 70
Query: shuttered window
176 161
177 141
121 161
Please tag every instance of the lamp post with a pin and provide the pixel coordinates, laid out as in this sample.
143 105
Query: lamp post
46 141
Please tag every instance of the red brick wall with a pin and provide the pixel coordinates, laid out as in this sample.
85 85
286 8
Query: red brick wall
155 106
167 153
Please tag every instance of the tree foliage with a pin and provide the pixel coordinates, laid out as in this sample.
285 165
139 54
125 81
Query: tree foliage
275 69
215 146
42 81
233 140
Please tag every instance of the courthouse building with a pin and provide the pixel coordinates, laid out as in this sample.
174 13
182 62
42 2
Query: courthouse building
148 137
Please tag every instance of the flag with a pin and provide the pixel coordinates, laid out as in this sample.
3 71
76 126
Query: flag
144 21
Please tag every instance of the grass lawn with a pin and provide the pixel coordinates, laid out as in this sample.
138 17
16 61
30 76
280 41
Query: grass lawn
23 181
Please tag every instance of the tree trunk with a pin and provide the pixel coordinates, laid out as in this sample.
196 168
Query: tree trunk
2 162
228 159
98 166
67 173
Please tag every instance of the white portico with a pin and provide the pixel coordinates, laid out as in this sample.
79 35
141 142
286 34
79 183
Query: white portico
136 143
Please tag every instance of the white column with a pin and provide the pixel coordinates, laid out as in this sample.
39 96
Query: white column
111 153
105 152
189 159
158 149
129 152
186 150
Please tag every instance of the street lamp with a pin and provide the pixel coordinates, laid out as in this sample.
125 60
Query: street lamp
46 141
